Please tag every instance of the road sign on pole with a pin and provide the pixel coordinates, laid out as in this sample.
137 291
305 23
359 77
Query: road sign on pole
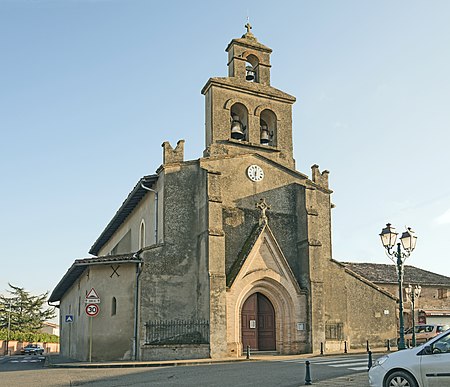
92 300
92 297
69 318
92 294
92 310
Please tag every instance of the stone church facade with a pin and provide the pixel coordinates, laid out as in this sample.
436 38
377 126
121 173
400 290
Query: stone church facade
209 256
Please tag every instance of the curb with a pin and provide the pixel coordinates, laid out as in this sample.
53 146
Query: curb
71 363
48 363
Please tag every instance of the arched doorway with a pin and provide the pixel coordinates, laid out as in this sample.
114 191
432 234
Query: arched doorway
258 323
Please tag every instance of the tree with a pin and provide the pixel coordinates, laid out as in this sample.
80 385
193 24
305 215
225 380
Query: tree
23 312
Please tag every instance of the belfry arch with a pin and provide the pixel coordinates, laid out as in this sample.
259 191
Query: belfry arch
239 122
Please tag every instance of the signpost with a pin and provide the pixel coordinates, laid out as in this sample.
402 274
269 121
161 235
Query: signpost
92 309
69 320
92 300
92 294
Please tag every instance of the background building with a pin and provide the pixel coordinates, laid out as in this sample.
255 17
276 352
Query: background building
50 328
433 305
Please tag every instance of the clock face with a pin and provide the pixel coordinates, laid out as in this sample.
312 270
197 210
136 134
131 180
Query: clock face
255 173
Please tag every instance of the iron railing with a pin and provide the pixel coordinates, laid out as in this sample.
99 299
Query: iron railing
160 332
334 331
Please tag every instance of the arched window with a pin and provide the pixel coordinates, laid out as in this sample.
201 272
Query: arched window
142 235
268 127
239 118
113 306
251 69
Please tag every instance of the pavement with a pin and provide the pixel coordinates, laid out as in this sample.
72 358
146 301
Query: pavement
360 379
355 380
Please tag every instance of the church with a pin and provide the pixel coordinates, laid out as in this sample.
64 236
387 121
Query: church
208 257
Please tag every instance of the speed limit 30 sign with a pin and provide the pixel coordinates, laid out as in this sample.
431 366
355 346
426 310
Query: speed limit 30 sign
92 310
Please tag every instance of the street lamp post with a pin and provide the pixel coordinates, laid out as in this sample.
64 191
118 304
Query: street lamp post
412 294
8 329
408 239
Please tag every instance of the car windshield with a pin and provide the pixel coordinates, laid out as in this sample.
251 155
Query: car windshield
424 328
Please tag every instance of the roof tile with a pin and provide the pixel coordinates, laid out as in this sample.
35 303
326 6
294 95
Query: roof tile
387 274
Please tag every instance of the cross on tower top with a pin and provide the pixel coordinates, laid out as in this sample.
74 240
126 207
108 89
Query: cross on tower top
248 34
262 205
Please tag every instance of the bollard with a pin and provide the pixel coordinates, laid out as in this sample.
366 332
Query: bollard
369 364
308 374
367 346
345 347
321 348
389 345
248 352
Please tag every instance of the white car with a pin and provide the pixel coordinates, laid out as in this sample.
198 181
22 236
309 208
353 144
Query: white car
425 366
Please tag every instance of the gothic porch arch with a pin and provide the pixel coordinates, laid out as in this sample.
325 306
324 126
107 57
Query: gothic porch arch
286 301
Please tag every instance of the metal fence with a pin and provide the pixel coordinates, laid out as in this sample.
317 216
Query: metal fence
160 332
334 331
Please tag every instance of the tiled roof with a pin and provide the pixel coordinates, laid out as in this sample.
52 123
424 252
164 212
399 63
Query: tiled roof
363 279
122 213
387 274
80 265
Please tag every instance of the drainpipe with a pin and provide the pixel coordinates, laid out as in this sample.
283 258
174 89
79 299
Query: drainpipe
136 308
156 210
53 305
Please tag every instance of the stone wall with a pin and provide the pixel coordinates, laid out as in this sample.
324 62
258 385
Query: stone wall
174 352
145 210
174 282
74 337
366 312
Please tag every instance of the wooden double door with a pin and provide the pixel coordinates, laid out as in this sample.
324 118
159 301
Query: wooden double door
258 323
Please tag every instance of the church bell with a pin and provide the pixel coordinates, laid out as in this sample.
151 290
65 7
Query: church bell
265 135
249 74
237 129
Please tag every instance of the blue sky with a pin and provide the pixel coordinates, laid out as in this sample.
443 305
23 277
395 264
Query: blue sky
89 90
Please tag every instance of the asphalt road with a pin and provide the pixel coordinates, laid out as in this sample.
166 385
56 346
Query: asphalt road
30 370
21 363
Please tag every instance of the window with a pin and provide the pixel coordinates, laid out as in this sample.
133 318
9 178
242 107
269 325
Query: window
334 331
142 235
442 293
113 306
442 345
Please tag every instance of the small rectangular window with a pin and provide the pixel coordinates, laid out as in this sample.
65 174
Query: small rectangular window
334 331
442 293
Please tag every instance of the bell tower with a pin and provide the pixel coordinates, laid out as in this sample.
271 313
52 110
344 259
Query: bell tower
244 113
248 59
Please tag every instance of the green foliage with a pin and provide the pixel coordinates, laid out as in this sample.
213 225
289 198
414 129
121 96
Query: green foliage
23 312
38 337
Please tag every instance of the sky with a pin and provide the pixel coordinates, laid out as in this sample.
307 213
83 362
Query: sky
90 89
